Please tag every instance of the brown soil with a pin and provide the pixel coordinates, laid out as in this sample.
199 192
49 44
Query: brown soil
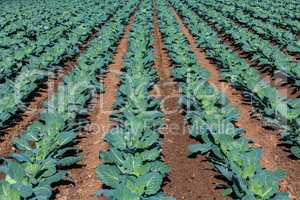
35 104
33 109
190 178
277 81
295 56
273 156
272 41
84 177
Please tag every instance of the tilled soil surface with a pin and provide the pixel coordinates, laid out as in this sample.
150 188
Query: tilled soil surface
278 81
84 177
190 178
274 155
34 106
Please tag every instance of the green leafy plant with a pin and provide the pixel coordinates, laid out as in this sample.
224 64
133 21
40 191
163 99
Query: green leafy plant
278 111
132 167
45 56
48 143
212 119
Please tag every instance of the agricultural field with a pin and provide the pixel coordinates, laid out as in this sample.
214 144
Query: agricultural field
149 100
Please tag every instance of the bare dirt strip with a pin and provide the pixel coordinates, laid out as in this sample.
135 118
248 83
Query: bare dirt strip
34 107
272 41
274 156
84 176
277 81
190 178
36 100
